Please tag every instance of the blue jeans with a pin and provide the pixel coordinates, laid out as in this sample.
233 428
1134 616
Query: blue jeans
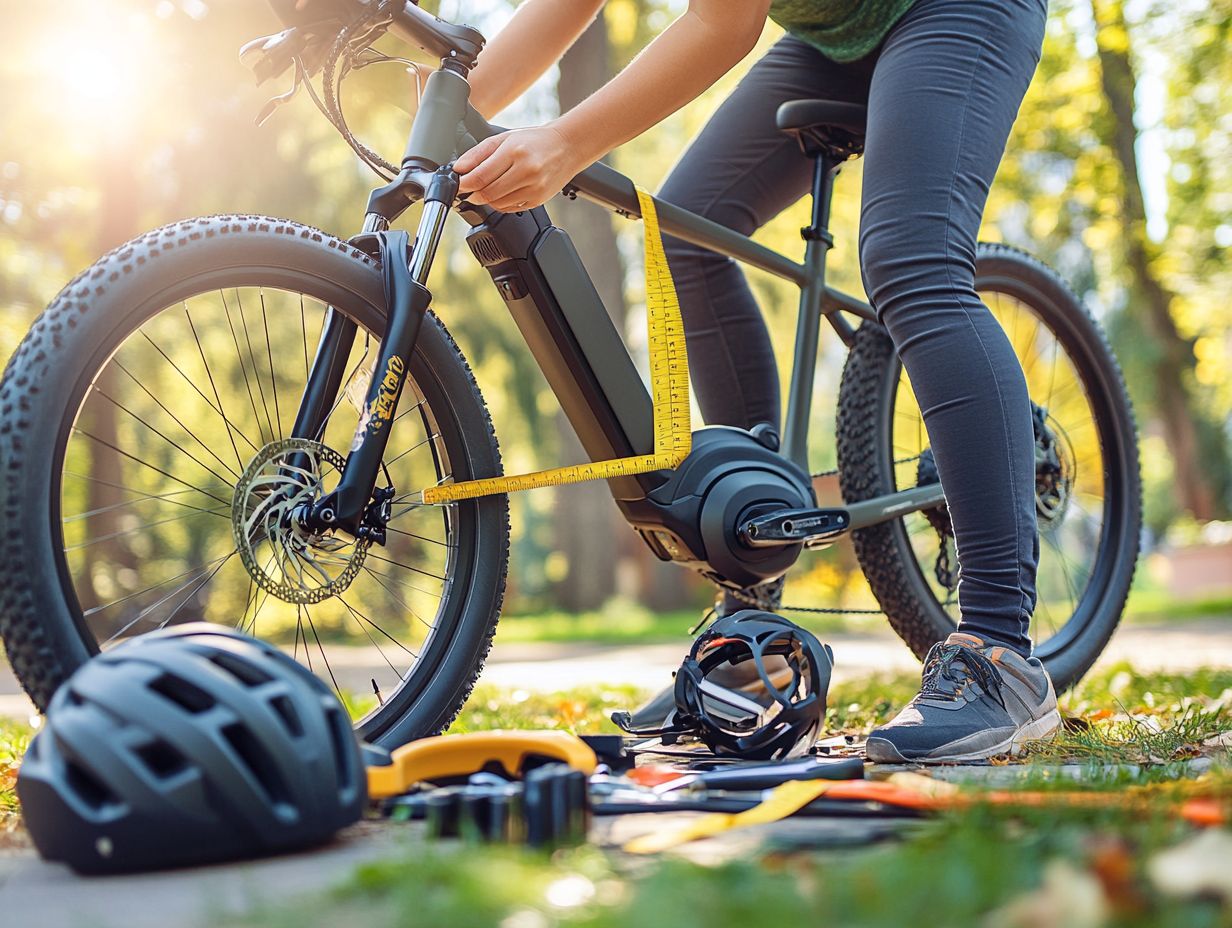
942 92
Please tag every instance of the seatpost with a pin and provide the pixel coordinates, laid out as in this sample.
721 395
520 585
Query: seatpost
817 241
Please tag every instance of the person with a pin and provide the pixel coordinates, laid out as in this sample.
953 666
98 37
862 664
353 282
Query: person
942 81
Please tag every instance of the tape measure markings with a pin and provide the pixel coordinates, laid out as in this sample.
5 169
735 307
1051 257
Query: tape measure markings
669 388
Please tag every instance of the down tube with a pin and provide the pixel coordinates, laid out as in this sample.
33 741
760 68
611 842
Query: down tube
552 300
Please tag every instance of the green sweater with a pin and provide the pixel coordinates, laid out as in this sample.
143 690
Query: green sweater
843 30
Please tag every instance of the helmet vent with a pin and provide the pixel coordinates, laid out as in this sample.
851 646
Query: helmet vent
242 670
88 788
286 711
260 764
161 758
184 694
339 732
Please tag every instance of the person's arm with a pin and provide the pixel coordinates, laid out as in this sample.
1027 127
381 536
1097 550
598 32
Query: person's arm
524 168
533 40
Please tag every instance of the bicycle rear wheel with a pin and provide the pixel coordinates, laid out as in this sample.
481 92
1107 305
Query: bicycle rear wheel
1088 495
144 431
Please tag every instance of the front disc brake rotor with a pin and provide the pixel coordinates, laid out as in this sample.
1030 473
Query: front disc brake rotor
283 558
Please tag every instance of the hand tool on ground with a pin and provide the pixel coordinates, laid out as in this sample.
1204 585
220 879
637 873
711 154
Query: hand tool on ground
549 808
447 759
610 750
766 776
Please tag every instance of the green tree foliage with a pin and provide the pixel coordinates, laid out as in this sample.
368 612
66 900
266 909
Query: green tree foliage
121 117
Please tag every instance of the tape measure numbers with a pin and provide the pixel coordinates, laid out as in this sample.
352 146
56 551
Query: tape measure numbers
669 388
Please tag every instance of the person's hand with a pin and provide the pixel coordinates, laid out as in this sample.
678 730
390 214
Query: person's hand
519 169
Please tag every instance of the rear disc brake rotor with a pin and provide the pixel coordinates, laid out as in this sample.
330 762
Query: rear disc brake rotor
283 558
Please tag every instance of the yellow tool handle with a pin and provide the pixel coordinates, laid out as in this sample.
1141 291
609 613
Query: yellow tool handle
450 756
783 801
669 387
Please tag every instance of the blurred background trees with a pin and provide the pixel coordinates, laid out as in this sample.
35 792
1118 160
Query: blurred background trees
123 116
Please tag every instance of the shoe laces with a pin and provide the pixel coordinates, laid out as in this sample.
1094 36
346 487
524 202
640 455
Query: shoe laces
950 667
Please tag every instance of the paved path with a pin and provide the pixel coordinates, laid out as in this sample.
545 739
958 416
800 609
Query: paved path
41 895
1177 646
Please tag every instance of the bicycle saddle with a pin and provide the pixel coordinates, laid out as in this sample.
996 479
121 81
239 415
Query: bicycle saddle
824 126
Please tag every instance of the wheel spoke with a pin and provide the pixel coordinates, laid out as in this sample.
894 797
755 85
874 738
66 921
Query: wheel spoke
176 420
141 528
214 387
269 353
400 600
239 356
120 406
152 467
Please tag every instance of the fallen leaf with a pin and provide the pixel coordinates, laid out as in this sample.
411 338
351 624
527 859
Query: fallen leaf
1068 897
1195 867
922 784
1111 859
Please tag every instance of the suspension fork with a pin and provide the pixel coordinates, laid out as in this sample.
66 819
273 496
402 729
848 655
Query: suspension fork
405 268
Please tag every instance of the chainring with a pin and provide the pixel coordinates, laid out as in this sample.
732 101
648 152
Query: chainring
282 557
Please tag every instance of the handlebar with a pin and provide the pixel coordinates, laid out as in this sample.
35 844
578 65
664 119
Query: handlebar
457 46
441 39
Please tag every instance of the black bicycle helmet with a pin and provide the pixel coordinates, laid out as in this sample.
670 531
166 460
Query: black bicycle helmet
187 746
782 720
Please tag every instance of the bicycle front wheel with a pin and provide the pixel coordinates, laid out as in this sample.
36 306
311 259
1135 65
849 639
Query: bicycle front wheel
145 432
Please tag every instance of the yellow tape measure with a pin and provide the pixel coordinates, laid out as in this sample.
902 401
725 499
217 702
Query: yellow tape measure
781 802
669 387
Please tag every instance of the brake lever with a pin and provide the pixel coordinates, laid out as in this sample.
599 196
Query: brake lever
271 105
269 55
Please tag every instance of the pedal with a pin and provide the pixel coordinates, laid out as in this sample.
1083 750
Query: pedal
813 528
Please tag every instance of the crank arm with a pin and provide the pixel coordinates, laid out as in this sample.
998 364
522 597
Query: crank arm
812 527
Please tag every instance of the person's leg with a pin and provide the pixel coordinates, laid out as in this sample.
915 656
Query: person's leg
944 95
741 171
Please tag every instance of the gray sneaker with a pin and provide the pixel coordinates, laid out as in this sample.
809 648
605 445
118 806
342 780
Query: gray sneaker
975 701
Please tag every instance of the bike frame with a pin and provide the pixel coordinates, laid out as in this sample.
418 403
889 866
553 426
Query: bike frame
551 298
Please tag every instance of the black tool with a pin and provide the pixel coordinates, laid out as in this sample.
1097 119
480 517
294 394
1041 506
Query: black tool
767 776
610 750
549 808
630 804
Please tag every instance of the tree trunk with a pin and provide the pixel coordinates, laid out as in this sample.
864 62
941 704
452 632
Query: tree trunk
118 211
1150 303
585 521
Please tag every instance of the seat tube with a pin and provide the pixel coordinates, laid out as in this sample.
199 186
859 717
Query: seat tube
818 242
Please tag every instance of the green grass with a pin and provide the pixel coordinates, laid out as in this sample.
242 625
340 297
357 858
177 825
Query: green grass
614 624
621 623
979 867
14 737
581 710
968 869
987 866
1149 607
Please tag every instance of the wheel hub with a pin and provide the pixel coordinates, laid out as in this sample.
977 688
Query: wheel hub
283 556
1055 466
